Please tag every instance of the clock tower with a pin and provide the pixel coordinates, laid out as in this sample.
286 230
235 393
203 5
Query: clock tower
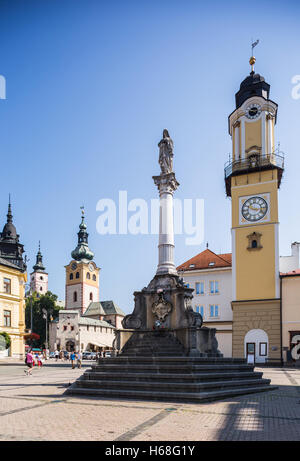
252 178
82 274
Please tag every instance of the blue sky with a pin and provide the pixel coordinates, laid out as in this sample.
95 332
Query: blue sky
90 87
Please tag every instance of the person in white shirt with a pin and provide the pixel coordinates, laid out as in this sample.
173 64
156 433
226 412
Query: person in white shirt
40 360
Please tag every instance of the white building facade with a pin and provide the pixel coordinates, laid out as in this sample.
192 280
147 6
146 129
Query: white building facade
290 263
73 332
210 275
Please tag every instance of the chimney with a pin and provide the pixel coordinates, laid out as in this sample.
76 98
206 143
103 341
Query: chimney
295 251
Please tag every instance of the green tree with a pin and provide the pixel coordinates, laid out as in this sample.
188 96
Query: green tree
37 303
6 339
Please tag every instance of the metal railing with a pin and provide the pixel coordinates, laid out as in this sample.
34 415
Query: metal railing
254 162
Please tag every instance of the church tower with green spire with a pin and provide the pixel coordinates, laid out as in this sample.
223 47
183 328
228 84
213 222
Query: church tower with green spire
39 276
82 274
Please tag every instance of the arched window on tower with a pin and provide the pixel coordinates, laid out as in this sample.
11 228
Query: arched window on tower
94 277
77 275
91 296
88 275
41 278
71 276
75 296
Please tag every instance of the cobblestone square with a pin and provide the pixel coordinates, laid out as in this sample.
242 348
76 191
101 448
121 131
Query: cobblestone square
36 408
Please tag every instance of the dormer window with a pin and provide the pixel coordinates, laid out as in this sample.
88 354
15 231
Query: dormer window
211 263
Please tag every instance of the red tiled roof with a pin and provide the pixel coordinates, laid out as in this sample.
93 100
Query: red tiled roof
295 272
203 260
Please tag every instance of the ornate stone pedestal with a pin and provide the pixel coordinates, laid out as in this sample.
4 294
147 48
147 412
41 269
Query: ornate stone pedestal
165 304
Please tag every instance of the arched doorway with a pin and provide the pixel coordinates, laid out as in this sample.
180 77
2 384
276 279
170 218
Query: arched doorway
70 346
257 344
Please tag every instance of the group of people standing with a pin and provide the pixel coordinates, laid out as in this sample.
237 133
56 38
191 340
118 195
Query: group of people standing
33 359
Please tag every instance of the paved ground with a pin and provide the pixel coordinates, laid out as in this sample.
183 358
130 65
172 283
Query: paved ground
35 408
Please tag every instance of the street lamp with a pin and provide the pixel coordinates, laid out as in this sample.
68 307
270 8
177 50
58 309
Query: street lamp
29 294
45 316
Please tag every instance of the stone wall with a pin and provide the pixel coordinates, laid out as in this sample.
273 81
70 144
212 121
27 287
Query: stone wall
264 315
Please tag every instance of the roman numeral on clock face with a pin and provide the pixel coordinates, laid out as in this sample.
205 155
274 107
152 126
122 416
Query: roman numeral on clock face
254 209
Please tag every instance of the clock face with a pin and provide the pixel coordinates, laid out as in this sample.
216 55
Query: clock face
73 267
91 267
253 111
254 209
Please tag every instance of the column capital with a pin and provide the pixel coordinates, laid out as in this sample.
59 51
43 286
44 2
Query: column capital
166 183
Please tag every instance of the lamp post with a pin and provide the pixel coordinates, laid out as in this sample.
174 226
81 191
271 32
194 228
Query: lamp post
29 294
45 316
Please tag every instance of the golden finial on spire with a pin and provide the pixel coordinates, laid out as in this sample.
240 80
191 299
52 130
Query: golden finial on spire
252 59
82 210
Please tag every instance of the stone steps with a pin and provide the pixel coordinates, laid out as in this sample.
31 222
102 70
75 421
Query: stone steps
167 367
153 344
156 368
163 377
171 385
168 396
177 360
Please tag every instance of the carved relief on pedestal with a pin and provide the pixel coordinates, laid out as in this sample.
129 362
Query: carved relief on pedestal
161 308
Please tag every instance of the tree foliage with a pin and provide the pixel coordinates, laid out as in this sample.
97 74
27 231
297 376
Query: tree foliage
6 338
37 303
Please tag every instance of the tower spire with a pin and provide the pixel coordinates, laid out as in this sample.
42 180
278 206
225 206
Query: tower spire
253 59
9 213
39 267
82 251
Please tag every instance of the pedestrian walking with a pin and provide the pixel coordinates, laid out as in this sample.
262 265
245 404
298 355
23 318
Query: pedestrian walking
35 359
40 360
79 359
29 363
73 358
56 355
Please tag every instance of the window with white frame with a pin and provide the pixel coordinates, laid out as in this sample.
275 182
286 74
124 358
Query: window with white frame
213 287
199 288
200 310
7 318
214 310
7 285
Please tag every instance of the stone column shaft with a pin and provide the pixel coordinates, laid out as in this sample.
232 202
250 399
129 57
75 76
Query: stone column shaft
167 184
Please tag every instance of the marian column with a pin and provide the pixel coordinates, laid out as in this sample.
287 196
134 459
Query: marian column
166 184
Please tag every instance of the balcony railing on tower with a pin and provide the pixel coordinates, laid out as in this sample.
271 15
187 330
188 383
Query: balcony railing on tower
252 163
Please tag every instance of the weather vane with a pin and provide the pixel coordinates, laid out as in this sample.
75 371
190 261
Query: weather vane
252 59
82 210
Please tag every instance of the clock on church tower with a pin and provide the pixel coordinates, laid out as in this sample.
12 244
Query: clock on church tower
82 274
252 178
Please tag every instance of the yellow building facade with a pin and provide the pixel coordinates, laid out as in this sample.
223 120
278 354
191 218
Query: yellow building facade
12 289
252 179
12 308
